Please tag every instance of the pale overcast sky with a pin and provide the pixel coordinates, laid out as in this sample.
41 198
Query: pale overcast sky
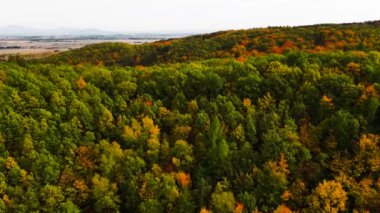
183 15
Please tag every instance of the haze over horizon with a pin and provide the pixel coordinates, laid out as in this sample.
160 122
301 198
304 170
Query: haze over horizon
183 15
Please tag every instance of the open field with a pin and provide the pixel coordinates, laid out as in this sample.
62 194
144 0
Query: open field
24 46
40 46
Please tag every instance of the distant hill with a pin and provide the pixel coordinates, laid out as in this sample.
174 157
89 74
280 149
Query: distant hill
234 43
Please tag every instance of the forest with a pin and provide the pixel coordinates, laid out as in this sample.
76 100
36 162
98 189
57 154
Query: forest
277 120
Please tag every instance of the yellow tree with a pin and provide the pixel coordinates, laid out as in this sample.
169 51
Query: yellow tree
329 196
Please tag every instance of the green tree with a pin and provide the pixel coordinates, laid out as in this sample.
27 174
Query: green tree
51 197
104 194
218 153
221 200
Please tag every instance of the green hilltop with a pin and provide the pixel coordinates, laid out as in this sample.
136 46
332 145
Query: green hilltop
234 43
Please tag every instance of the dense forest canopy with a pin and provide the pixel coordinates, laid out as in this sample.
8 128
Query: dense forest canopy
263 120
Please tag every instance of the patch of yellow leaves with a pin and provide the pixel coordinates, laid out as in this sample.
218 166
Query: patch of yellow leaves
247 102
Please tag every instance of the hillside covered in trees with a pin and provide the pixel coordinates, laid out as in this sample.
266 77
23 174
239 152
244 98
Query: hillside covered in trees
262 120
238 44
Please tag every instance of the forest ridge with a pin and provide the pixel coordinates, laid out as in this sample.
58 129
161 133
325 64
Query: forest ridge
275 119
235 43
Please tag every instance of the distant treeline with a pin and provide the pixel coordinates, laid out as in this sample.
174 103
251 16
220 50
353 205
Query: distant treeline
10 47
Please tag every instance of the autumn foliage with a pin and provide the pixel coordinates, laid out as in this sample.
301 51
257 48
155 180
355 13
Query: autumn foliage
279 119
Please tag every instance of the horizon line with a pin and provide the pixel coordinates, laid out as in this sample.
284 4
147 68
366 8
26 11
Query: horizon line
176 31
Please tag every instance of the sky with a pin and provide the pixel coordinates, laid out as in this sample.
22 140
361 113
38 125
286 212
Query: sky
183 15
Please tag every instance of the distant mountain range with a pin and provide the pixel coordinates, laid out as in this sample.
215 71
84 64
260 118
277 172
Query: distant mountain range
21 31
15 30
